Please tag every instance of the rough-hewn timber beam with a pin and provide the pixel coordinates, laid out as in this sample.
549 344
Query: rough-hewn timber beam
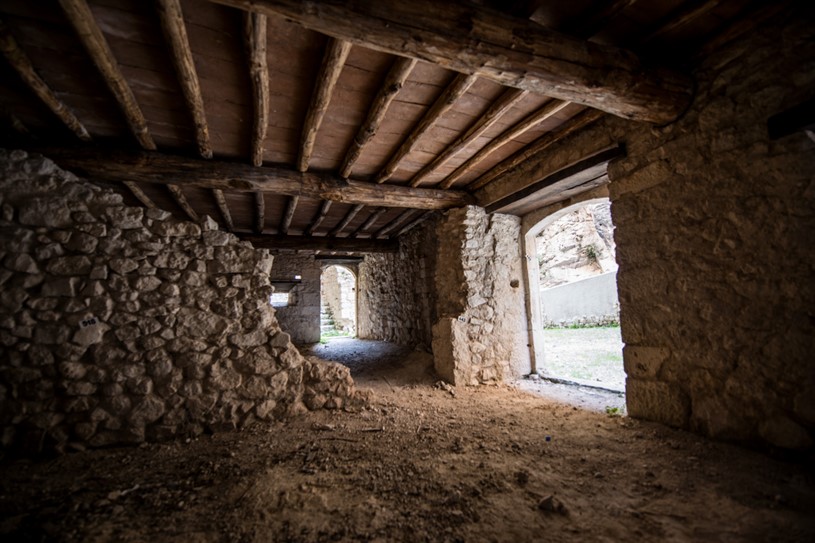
404 216
260 212
255 35
369 222
183 203
409 226
504 103
291 207
443 103
175 32
473 39
97 46
22 65
396 77
336 52
320 218
550 109
139 194
229 176
223 207
312 243
346 220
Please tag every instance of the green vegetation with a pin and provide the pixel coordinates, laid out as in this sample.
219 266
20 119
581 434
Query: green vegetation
325 336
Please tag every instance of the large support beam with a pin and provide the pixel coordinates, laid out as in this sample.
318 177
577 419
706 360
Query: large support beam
22 65
442 104
97 46
474 39
312 243
255 34
396 77
336 52
175 32
229 176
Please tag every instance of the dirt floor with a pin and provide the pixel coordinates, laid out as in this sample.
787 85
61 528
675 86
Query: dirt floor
423 463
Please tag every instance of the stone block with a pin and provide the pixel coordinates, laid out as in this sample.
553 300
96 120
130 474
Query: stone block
642 362
657 401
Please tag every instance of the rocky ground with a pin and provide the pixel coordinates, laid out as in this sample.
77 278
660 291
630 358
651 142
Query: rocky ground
423 463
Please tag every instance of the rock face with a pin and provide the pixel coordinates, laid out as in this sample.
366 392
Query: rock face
121 325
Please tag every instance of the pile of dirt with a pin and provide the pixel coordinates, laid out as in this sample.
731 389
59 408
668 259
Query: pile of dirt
421 463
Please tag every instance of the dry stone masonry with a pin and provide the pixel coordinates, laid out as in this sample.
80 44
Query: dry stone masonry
121 324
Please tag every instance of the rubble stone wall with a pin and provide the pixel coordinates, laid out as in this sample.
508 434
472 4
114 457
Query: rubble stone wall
120 324
301 318
396 290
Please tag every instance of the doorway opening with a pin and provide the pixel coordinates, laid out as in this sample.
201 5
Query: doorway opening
338 303
577 336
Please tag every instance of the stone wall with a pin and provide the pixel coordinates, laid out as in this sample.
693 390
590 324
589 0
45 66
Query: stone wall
713 231
301 318
121 324
396 290
481 332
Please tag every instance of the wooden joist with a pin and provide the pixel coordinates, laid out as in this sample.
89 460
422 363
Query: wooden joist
401 219
346 220
336 52
291 207
592 21
22 65
260 212
474 39
547 111
139 194
315 243
505 102
409 226
443 103
223 207
396 77
175 32
255 35
548 139
183 203
680 17
160 168
369 222
320 218
81 17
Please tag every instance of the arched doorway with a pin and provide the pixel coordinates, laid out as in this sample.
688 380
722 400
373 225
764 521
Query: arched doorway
338 302
573 296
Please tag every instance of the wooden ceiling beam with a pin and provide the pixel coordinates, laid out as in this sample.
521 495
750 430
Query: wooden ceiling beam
336 52
315 243
18 60
139 194
369 222
346 220
320 218
443 103
396 77
291 207
591 22
175 32
548 110
81 17
404 216
409 226
504 103
160 168
512 51
260 212
183 203
680 17
255 35
223 207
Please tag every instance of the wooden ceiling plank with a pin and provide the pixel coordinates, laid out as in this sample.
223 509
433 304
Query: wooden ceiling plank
159 168
317 243
291 207
333 61
183 203
346 220
81 17
223 207
548 110
396 77
460 84
175 32
409 226
504 103
139 194
320 218
512 51
260 212
368 222
404 216
255 34
548 139
18 60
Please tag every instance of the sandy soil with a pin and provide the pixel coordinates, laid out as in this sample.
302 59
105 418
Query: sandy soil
423 463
